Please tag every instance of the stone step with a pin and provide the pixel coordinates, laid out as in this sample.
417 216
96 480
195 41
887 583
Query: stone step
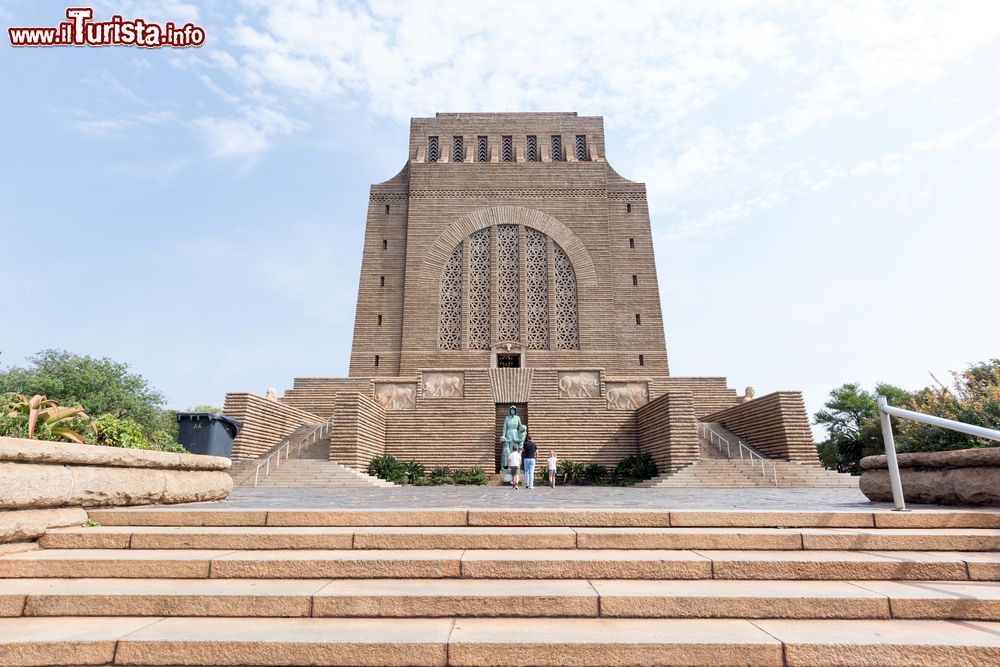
528 516
504 564
493 641
248 538
704 598
310 472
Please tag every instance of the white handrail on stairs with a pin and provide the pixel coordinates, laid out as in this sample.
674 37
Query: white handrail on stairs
723 444
885 411
309 438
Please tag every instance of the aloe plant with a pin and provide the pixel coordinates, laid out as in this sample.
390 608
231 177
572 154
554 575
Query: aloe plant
42 412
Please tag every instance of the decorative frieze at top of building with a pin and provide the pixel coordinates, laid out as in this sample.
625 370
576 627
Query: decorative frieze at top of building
627 196
388 196
509 193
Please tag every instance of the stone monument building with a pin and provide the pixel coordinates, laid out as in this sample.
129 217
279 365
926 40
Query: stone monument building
506 264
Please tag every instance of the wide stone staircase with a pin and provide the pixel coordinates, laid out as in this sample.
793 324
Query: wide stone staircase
715 468
316 473
309 468
185 586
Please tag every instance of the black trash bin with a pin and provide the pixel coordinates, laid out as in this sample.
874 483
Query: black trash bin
208 433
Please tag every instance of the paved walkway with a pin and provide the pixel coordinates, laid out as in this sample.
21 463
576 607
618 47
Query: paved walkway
564 496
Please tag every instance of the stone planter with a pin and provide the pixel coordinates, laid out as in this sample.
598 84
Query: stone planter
44 484
959 477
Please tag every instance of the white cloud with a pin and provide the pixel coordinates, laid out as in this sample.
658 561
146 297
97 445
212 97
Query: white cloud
156 11
713 97
864 168
90 123
874 46
247 135
950 138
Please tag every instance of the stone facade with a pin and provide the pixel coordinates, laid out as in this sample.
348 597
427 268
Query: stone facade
265 422
776 424
508 263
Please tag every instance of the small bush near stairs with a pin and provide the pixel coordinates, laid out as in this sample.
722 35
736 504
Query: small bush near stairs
393 470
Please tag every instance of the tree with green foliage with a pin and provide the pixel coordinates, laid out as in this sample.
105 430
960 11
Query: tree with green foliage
851 419
101 386
973 398
128 411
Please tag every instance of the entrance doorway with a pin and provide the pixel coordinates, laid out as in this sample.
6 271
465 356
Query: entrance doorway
501 414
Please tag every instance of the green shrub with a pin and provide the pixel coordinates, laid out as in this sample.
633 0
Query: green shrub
172 447
594 473
113 432
413 471
441 475
634 468
387 467
40 418
165 442
15 426
973 398
570 471
474 475
422 481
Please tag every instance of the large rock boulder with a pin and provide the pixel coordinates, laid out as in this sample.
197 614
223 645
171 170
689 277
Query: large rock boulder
37 474
959 477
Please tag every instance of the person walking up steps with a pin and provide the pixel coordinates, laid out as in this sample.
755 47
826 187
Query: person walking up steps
552 461
514 461
528 460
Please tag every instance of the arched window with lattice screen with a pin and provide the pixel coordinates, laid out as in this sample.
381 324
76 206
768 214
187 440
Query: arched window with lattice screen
479 290
508 284
495 268
567 330
451 302
536 291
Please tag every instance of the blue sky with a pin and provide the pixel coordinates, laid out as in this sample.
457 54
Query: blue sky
824 179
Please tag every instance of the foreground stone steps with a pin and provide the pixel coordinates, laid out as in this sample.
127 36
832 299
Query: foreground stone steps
153 537
504 564
491 641
399 598
201 515
190 585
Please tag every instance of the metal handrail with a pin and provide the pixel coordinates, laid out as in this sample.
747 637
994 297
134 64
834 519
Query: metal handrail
885 411
312 436
717 440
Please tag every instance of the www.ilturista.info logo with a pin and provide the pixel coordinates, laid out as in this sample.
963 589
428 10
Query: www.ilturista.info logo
80 30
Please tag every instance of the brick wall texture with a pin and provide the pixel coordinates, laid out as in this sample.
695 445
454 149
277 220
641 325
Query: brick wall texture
777 424
668 430
265 422
586 207
358 430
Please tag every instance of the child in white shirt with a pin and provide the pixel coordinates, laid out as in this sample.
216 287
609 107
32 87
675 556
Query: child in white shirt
552 461
514 461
